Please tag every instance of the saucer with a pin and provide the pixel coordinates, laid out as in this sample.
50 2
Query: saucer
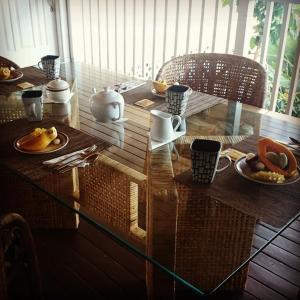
161 95
154 144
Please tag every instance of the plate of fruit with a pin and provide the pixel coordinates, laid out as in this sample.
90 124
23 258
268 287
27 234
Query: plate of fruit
274 164
41 141
160 87
9 75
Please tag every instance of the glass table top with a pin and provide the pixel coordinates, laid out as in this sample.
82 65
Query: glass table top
198 234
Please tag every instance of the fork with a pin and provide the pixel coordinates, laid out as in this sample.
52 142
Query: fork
67 160
296 142
93 157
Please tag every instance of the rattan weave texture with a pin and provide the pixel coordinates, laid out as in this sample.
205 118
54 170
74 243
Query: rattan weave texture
211 241
111 191
19 271
225 75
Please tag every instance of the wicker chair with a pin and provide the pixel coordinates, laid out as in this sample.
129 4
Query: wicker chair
4 62
229 76
19 272
112 191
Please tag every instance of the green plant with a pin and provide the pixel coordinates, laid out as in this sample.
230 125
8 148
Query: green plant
289 54
289 51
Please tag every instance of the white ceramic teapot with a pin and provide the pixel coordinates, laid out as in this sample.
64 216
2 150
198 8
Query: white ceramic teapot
107 106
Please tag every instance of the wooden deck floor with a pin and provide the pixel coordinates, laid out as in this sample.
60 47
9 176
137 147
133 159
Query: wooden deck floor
75 265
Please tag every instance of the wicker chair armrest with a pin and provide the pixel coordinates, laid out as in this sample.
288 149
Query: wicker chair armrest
134 175
223 139
4 62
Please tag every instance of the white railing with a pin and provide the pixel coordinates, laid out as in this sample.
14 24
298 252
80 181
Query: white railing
136 37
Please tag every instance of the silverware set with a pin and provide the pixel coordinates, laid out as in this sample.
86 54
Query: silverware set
70 161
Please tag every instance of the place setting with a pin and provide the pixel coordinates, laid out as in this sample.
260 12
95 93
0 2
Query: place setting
42 141
273 164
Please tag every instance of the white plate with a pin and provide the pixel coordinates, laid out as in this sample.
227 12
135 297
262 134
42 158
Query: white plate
49 149
154 92
245 171
17 75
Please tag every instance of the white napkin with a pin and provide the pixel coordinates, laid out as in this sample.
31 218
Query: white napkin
73 156
128 85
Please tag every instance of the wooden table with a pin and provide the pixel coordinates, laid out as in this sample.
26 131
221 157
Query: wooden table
144 198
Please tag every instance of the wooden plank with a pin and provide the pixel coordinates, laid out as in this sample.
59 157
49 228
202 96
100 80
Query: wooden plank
278 253
118 134
120 254
296 225
124 161
58 275
277 267
293 235
280 241
260 291
273 281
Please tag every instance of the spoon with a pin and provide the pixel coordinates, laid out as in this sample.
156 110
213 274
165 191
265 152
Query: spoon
295 141
90 159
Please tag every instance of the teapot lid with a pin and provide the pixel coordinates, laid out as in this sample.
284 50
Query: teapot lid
57 85
107 94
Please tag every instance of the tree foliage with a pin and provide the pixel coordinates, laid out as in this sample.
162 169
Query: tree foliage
273 48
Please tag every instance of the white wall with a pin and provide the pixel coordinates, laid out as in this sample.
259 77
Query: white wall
27 30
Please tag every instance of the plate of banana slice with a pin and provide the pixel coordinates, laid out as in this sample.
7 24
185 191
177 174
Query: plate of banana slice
41 141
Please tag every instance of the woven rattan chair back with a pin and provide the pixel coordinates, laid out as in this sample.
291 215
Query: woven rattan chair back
19 272
225 75
4 62
112 192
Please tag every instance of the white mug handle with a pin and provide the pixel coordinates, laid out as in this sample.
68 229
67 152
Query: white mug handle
178 118
229 163
40 66
33 110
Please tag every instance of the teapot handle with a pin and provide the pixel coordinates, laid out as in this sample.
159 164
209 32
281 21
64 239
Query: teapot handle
114 105
178 119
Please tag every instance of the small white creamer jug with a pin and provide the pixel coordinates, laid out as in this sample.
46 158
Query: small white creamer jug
162 129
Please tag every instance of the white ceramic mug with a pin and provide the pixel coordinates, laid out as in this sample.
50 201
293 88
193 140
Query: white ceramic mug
205 156
33 105
162 129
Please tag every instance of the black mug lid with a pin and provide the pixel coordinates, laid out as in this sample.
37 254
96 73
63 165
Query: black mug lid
32 94
179 88
49 57
205 145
